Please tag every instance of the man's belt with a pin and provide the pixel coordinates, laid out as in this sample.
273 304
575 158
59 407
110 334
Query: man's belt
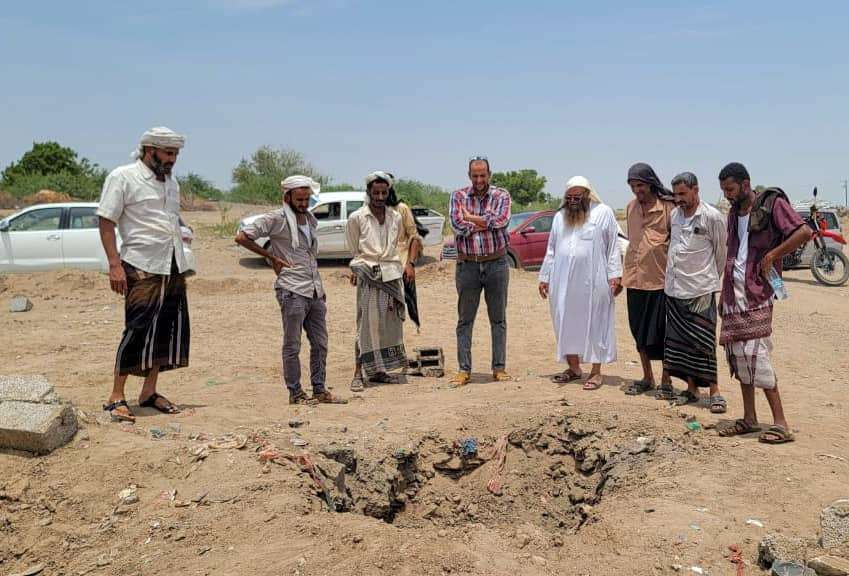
484 258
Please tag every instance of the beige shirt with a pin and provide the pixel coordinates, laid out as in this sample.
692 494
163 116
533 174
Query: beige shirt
648 237
375 247
303 277
147 213
409 232
697 251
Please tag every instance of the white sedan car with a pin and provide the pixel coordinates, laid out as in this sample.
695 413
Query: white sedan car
55 236
332 210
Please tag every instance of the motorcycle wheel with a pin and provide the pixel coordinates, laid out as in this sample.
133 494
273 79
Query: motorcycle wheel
830 267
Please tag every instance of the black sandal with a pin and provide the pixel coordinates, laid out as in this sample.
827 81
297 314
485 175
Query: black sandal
118 417
638 387
666 392
686 397
151 403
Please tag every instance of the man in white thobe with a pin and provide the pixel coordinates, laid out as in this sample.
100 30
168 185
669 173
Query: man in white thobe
582 274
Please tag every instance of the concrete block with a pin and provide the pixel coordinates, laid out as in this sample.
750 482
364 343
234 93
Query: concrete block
27 389
39 428
20 304
830 566
834 523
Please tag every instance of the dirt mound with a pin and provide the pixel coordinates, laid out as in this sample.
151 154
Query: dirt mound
196 204
7 201
46 197
211 286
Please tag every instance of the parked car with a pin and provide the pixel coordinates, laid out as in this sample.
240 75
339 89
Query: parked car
332 210
54 236
825 214
528 232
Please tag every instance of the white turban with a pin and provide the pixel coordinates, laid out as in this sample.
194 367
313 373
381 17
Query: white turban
581 182
160 137
300 181
380 175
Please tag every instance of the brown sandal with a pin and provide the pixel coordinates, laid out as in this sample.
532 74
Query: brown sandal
594 383
567 376
776 435
737 428
125 416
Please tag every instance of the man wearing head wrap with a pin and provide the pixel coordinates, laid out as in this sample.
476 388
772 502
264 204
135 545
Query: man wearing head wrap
372 237
762 229
581 275
143 201
648 219
293 252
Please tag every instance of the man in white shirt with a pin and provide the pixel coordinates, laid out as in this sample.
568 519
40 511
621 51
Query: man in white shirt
143 201
694 266
372 236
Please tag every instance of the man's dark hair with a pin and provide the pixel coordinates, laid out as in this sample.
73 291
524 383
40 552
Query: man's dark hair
480 159
688 179
736 171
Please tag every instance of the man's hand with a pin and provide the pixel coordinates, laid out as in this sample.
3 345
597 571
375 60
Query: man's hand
478 221
118 279
409 272
766 264
352 279
616 286
278 264
543 290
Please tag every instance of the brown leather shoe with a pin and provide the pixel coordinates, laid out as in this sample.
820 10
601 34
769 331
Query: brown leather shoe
461 378
501 376
327 398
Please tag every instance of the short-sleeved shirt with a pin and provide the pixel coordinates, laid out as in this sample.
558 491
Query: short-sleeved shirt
409 232
696 253
648 237
375 244
783 222
147 213
302 277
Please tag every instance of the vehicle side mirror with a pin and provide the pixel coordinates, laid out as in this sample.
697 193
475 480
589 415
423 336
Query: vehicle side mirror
4 226
529 230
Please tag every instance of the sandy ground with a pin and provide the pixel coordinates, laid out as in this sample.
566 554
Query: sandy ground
579 498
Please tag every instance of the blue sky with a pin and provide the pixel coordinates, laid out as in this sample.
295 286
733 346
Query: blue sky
417 87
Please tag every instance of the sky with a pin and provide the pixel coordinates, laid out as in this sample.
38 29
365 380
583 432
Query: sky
416 88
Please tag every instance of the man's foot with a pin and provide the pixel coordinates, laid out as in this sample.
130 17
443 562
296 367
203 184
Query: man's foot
776 435
357 384
718 404
594 382
299 397
461 378
501 376
566 376
160 403
327 398
120 411
738 427
665 392
638 387
686 397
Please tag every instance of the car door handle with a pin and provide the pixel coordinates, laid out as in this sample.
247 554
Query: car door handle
338 227
54 237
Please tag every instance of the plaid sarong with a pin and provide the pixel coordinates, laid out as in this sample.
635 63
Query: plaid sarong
746 336
156 323
380 322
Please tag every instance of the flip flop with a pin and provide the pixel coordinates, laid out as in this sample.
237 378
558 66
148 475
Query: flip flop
718 405
686 397
566 376
357 385
112 408
151 403
665 392
637 387
776 435
737 428
594 382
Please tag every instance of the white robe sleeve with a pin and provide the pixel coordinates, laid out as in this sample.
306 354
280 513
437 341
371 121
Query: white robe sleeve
553 238
614 254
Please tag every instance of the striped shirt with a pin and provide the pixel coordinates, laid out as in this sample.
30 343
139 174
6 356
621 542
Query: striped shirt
494 207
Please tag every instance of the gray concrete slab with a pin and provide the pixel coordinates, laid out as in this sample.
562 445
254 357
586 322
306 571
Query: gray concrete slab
27 389
32 427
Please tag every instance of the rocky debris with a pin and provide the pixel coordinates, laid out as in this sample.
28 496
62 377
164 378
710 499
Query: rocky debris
776 547
20 303
829 566
344 455
31 571
834 524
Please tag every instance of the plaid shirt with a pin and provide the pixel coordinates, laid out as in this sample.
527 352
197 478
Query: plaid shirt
494 207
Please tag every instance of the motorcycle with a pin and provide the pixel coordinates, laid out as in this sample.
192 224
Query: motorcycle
828 265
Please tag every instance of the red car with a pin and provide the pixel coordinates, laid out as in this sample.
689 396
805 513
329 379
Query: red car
528 239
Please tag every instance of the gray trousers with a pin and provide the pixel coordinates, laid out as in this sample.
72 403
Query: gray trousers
309 314
493 278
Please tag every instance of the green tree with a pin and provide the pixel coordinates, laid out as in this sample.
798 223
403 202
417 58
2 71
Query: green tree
48 165
525 186
257 179
43 158
192 185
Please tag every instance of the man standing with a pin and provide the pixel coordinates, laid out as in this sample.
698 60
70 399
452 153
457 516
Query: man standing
144 202
582 272
479 217
293 251
696 260
645 272
762 229
372 236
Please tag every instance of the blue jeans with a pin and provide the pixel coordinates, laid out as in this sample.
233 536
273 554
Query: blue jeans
493 278
307 314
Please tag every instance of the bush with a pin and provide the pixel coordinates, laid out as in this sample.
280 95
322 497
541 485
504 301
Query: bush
257 180
82 186
192 185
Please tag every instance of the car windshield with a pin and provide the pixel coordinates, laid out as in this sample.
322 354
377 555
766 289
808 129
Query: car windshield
517 220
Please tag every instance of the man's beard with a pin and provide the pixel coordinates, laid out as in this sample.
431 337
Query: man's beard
576 214
160 168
